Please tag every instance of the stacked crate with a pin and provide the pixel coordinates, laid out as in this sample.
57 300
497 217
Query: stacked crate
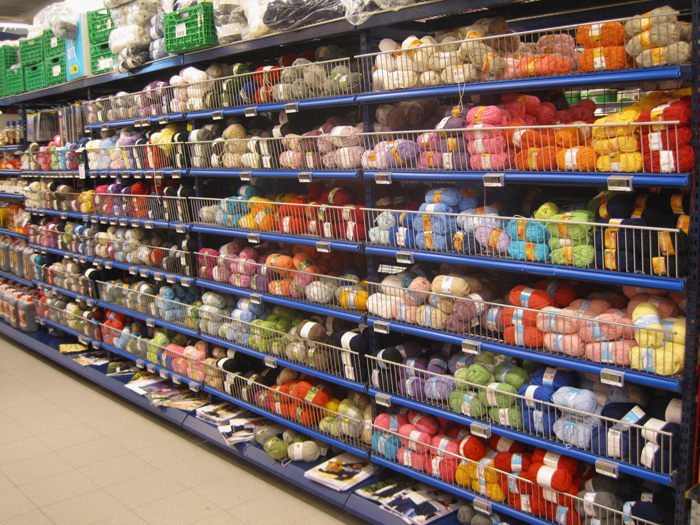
99 26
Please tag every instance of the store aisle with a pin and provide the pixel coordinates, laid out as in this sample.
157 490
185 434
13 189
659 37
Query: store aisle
73 453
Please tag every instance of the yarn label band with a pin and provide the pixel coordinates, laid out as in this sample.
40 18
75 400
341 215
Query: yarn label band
551 459
548 378
651 428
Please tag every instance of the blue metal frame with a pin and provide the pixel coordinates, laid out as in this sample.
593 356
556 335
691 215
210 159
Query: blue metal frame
13 277
13 234
278 174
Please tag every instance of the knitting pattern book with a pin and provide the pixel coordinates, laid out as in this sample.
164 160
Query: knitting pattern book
412 501
341 472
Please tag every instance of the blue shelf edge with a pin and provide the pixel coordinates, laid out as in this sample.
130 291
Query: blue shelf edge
145 318
11 196
549 270
14 147
555 177
10 172
287 174
13 234
640 378
536 441
291 303
40 284
13 277
287 364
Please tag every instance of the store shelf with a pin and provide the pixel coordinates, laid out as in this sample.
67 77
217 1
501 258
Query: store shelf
76 256
277 174
282 301
539 177
11 196
138 174
533 268
632 376
280 237
13 277
14 147
151 67
148 319
44 286
330 378
13 233
535 441
10 173
63 214
628 76
49 174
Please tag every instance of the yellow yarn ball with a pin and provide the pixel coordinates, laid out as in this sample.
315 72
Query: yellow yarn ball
247 222
547 211
665 361
354 299
646 318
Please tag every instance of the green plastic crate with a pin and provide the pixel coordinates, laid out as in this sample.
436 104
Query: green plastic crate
9 56
31 51
190 29
34 77
56 71
100 58
14 80
3 91
99 26
53 46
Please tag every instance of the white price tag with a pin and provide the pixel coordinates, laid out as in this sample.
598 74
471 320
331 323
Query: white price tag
81 171
104 63
54 41
56 70
180 30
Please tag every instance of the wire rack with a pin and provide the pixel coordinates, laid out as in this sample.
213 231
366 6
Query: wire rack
162 155
611 246
84 325
500 404
482 478
575 333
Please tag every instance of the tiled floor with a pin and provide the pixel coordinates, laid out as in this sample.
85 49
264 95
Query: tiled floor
73 453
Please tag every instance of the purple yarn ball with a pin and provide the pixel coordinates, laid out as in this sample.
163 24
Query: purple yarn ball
437 364
412 387
439 388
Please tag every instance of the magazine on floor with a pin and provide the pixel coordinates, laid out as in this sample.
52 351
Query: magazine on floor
341 472
412 501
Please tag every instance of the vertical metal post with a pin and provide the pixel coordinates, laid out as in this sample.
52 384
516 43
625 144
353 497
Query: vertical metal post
687 468
23 117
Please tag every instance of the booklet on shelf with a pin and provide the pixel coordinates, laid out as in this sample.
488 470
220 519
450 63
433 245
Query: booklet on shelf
219 413
341 473
92 359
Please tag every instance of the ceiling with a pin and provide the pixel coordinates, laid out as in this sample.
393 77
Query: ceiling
22 9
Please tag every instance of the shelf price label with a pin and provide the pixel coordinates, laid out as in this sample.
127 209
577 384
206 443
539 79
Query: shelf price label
81 171
140 363
495 180
383 177
291 107
404 257
133 270
151 368
143 272
250 112
323 246
194 386
176 379
612 377
606 468
305 176
254 238
255 298
383 399
482 505
217 115
480 430
620 183
150 323
163 373
381 327
270 362
470 346
176 174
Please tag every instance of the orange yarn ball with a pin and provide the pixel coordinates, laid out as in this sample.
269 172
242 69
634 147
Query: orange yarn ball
607 34
605 58
577 159
549 65
526 138
548 137
572 137
280 287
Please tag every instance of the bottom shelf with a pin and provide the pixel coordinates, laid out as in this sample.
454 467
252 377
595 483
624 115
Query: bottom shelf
293 473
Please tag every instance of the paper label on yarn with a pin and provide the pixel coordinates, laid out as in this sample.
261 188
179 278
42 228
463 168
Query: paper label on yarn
413 438
614 443
647 497
491 395
550 495
525 297
548 377
551 459
658 56
447 285
442 123
306 330
571 159
545 475
589 503
504 416
627 513
677 203
524 501
667 161
530 395
467 403
646 458
345 340
513 488
650 430
599 59
486 163
519 333
180 30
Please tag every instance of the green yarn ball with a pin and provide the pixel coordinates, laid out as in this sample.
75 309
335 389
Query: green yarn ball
276 448
473 406
476 374
507 417
492 398
513 375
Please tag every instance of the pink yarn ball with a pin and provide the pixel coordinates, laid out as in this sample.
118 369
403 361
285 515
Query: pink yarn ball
248 253
244 266
561 321
564 116
414 439
415 460
485 115
545 115
429 141
313 160
404 313
665 306
516 109
423 422
596 305
390 422
530 120
487 161
494 145
303 279
241 280
481 131
492 239
350 157
415 295
506 117
531 103
602 329
611 352
330 160
568 344
430 160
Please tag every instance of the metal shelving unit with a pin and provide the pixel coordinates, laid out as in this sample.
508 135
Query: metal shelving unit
413 19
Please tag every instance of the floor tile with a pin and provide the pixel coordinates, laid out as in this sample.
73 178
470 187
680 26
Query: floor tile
19 395
11 431
223 518
69 436
167 453
42 417
5 483
34 517
91 452
140 437
232 490
85 509
21 449
118 423
116 470
35 468
144 489
184 508
14 503
87 405
125 518
278 508
57 488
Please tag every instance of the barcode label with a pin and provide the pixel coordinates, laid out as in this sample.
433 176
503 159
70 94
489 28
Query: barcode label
71 53
104 63
56 70
180 30
54 41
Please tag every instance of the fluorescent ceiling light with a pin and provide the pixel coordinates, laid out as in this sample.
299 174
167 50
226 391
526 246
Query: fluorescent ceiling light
14 25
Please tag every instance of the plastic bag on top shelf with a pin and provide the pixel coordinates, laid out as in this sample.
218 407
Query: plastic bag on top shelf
124 37
359 11
254 11
131 57
283 15
137 12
